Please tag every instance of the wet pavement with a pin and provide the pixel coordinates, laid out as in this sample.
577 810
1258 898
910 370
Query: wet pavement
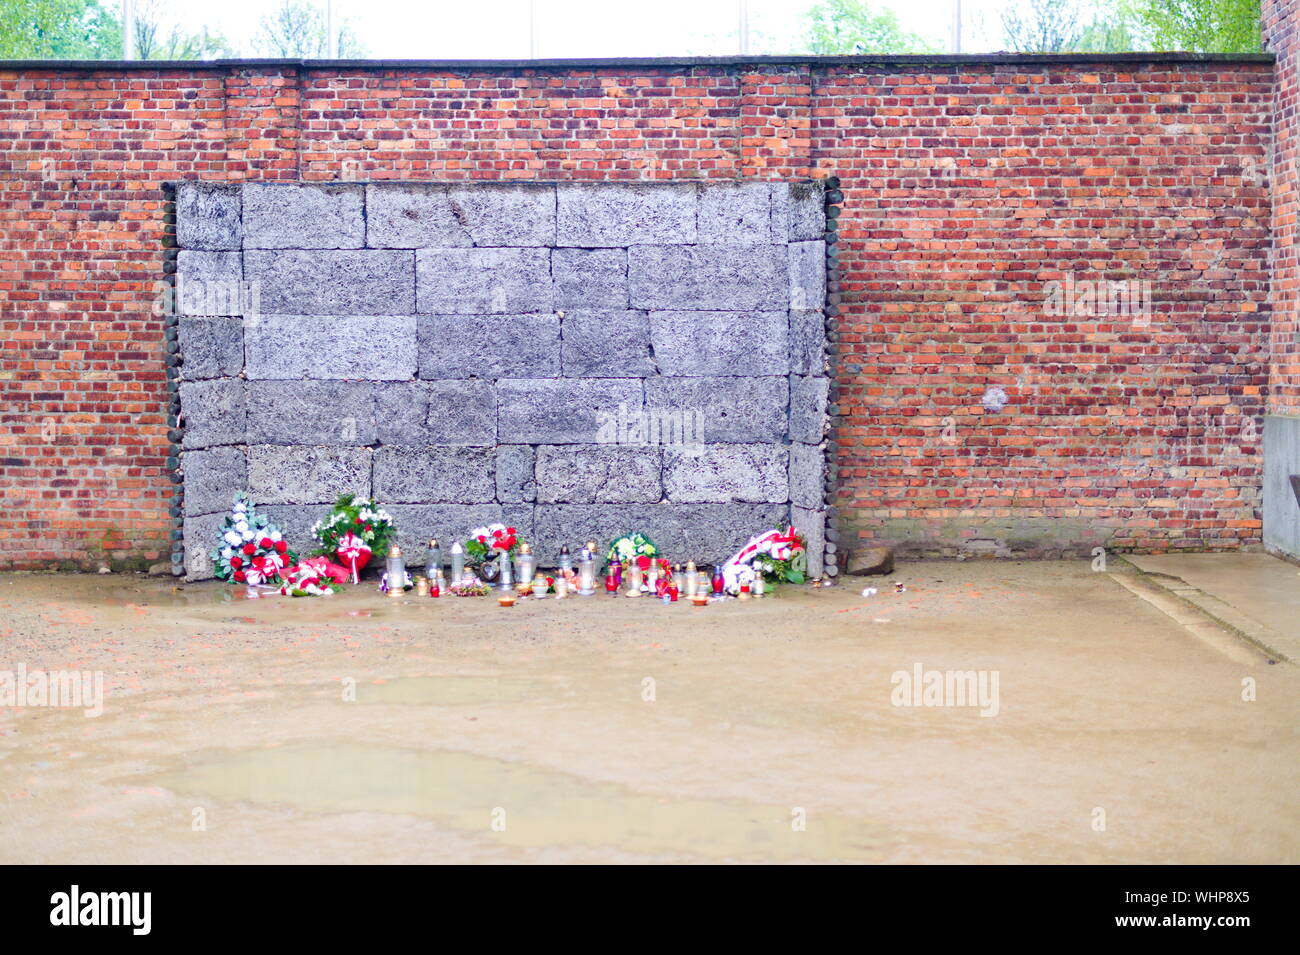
362 729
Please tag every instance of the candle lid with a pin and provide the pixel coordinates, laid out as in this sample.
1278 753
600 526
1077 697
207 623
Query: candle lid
394 551
433 542
456 548
525 548
564 548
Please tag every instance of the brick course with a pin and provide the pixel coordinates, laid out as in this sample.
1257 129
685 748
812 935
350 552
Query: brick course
967 186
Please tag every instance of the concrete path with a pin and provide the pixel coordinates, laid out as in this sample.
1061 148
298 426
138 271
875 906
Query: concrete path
1096 726
1257 595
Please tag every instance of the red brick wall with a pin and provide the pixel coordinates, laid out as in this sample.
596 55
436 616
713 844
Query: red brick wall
965 191
1280 22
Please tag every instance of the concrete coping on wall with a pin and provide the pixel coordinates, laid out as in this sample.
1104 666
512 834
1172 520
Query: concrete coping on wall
920 61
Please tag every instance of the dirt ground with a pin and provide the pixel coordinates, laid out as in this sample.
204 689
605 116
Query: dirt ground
612 730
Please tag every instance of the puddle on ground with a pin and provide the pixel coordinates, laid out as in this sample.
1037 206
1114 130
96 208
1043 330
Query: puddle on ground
541 807
448 690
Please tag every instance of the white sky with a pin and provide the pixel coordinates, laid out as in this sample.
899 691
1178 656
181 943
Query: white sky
499 29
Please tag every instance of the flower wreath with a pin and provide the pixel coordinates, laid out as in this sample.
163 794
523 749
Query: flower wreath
484 543
251 550
353 530
632 546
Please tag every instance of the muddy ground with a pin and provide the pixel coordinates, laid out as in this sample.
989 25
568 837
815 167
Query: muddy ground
612 730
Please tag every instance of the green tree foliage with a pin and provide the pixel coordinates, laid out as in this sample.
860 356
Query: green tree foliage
297 30
1201 26
849 27
58 30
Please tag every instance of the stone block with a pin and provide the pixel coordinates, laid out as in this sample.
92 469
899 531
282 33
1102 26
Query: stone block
200 535
811 525
598 474
489 346
212 476
807 275
590 278
716 277
210 347
866 561
736 213
360 348
402 412
461 412
484 281
454 475
703 344
808 475
416 523
807 341
516 481
311 412
707 533
330 282
568 411
295 522
208 216
210 283
426 215
802 208
306 474
741 473
600 214
606 344
213 412
808 408
720 410
303 216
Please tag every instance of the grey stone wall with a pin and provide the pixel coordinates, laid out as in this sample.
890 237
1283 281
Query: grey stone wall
479 352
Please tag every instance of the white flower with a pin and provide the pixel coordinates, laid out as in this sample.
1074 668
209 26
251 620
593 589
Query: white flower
246 535
232 538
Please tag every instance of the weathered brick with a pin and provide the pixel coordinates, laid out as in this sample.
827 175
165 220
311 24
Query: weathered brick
738 473
330 282
808 408
209 283
736 213
516 481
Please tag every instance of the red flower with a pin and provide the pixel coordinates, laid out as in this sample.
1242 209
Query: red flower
281 546
497 533
250 548
510 531
367 528
239 575
506 543
267 543
643 562
236 562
